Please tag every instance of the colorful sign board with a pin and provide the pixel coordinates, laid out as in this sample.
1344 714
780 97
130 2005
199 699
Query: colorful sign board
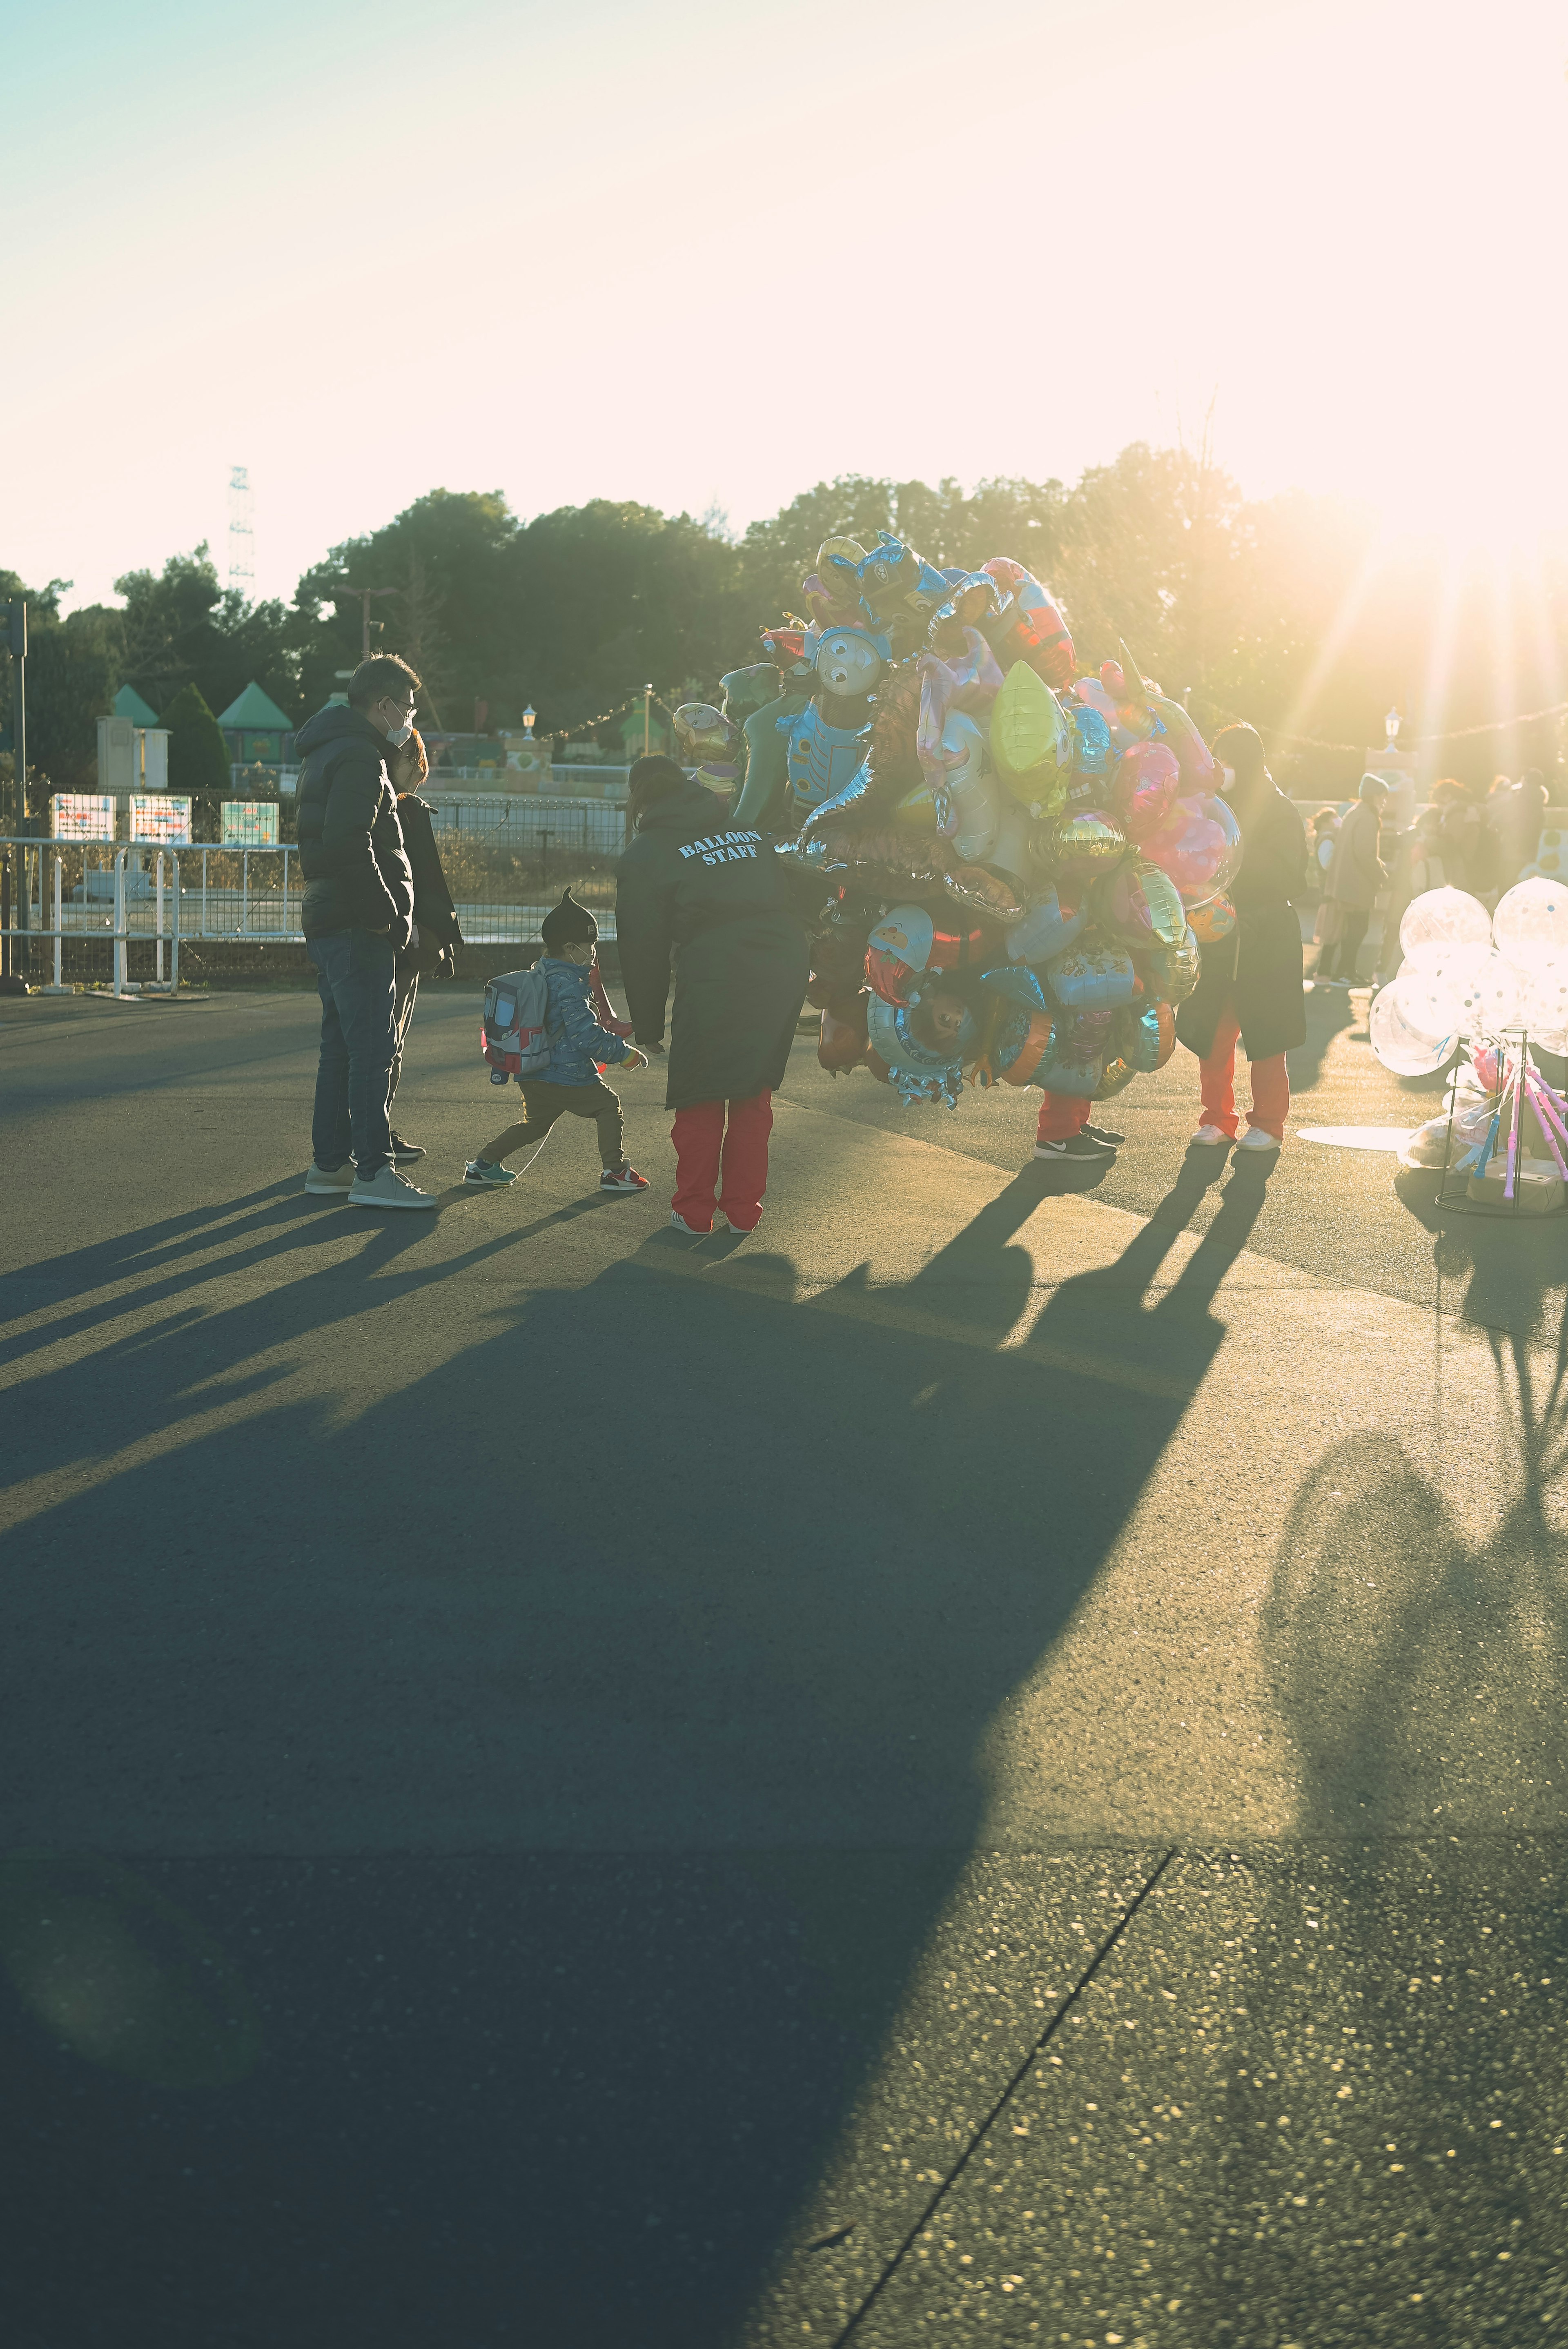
161 816
82 815
249 823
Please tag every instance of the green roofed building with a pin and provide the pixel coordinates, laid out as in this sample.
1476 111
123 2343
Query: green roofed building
256 731
129 703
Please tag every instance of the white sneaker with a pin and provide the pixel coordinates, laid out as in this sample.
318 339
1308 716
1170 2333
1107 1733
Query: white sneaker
329 1182
694 1231
1257 1138
1211 1137
388 1189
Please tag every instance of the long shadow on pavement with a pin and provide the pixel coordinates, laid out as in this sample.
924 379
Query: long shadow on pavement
541 1656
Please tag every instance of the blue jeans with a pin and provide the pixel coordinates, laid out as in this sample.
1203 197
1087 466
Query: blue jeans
356 975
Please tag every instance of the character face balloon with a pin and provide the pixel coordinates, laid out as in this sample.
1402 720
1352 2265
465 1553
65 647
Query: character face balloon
850 662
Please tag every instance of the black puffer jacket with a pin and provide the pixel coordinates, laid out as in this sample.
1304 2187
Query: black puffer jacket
712 901
1258 968
356 871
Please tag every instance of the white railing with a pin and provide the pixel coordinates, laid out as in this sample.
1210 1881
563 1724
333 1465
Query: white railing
162 901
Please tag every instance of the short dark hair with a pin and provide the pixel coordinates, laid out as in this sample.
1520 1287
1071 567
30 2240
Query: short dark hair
374 678
653 778
1241 748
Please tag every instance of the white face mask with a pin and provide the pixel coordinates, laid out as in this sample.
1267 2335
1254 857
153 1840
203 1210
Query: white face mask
399 734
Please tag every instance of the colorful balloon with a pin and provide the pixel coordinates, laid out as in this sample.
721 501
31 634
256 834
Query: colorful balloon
1143 787
1091 977
1171 972
1139 905
1046 929
851 661
1082 838
1094 753
1031 741
1214 919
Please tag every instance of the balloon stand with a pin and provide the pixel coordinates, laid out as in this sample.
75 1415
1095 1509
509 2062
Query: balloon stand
1505 1151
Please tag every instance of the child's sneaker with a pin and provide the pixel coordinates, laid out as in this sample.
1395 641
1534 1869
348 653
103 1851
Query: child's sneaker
692 1231
482 1170
623 1178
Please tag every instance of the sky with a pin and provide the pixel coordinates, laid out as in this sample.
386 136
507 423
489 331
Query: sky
705 255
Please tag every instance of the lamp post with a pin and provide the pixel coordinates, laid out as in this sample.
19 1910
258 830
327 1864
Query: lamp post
529 714
647 715
1391 725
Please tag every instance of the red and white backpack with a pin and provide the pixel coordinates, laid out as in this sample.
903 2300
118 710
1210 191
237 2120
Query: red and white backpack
512 1035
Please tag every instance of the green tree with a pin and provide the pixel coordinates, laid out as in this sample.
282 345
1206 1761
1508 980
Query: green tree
180 627
198 754
73 669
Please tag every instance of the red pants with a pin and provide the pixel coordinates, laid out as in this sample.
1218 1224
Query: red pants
1271 1083
705 1149
1061 1116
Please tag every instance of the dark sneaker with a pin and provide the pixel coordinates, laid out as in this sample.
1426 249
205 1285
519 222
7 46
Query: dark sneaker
480 1171
1079 1149
623 1178
1103 1134
404 1153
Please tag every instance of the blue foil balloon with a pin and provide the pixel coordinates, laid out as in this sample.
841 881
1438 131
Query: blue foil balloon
1094 751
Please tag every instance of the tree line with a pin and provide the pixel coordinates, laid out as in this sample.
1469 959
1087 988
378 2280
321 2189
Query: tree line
1283 611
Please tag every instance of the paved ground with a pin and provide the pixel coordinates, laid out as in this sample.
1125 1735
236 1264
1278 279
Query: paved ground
983 1764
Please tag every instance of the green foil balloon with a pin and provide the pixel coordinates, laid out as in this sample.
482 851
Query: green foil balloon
1087 837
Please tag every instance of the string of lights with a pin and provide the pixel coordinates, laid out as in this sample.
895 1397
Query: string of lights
1358 750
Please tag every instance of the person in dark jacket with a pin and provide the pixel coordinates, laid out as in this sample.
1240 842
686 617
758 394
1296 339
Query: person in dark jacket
1251 986
709 903
1355 878
432 952
359 916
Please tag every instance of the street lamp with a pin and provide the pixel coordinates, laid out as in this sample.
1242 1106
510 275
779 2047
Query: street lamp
529 716
1391 728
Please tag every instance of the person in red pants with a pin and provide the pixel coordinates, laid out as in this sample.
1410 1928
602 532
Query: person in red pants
721 1163
705 901
1250 986
1064 1132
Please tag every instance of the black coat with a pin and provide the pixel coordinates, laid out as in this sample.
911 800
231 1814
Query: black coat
1258 968
713 903
356 871
435 916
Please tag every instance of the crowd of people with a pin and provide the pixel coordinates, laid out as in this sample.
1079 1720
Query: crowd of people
1459 841
714 934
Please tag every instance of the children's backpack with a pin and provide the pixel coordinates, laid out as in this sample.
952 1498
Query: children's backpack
511 1036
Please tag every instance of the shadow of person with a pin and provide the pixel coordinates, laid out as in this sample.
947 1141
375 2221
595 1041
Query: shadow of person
609 1656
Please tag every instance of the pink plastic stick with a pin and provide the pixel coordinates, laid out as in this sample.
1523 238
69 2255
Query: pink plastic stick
1547 1119
1513 1133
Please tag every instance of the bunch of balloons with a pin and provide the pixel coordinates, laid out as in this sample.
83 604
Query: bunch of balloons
1019 863
1466 974
1499 985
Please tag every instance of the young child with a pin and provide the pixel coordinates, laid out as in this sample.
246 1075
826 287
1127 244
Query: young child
571 1084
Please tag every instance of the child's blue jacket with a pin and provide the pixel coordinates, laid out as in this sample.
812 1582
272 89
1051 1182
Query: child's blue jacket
575 1039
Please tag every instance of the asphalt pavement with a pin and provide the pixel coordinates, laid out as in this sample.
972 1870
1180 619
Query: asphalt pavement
983 1763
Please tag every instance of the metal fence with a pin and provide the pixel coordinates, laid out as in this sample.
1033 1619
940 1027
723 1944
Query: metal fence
79 911
76 914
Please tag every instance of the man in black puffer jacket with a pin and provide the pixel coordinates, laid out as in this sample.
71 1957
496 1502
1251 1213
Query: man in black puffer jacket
359 913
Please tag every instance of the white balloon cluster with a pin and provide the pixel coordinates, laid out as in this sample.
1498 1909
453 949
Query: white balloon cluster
1468 975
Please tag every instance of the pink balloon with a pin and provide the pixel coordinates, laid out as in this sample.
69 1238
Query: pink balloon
1189 845
1143 787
